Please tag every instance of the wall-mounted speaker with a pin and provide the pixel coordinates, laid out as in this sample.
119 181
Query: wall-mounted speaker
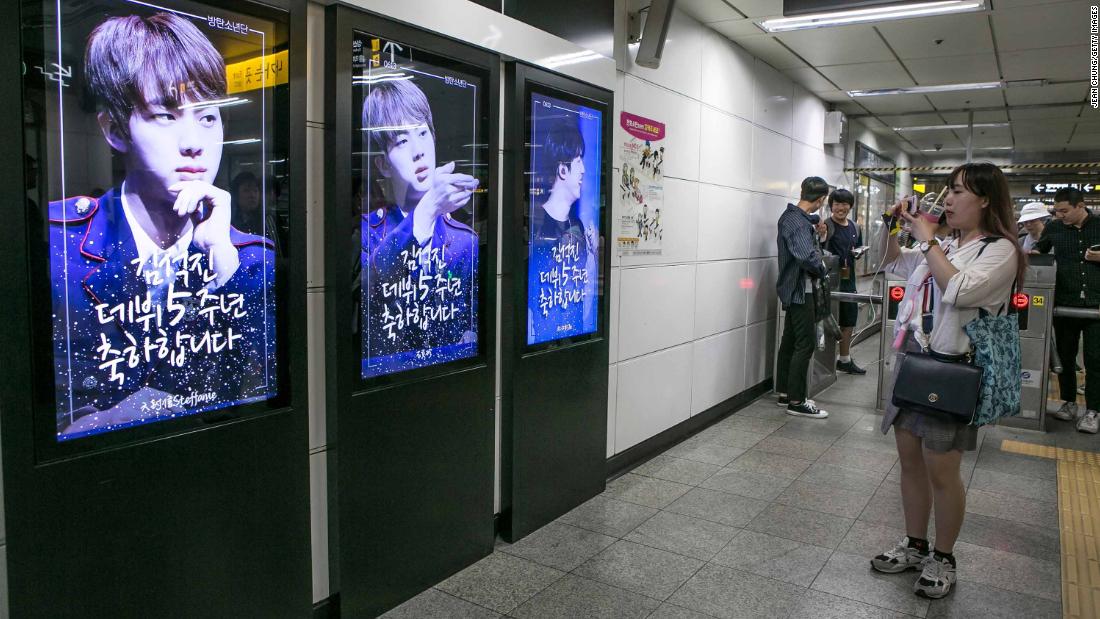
653 34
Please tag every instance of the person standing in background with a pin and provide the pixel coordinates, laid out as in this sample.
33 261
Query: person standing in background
1033 217
842 238
799 263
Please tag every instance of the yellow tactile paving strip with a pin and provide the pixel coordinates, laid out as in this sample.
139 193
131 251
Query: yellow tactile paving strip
1078 522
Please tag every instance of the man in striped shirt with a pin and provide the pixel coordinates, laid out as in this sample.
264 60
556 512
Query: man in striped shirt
799 263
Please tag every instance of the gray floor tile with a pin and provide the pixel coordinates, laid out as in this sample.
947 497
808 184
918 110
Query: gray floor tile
851 577
732 594
690 472
842 477
770 464
560 546
608 516
821 605
878 443
702 451
747 483
856 457
720 507
751 424
1010 536
732 437
1006 570
801 525
670 611
835 501
791 447
1016 464
573 597
1015 485
500 582
641 569
971 599
885 506
821 433
764 409
434 604
684 535
774 557
895 472
643 490
1019 509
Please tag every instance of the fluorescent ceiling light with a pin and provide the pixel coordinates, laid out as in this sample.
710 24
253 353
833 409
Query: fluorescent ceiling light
861 16
957 149
935 127
916 90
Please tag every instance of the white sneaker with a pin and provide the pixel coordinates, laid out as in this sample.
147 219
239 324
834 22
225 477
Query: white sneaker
899 558
806 409
935 579
1068 411
1090 422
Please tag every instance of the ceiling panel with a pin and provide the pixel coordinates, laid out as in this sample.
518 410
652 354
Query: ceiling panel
842 45
945 140
967 99
850 108
1055 93
1053 63
759 8
988 116
958 35
995 139
896 104
1052 112
954 69
707 10
1087 128
764 47
1046 25
868 75
811 79
1058 130
832 95
734 28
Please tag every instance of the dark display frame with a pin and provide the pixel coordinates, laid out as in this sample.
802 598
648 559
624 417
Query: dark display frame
554 398
154 524
48 448
410 458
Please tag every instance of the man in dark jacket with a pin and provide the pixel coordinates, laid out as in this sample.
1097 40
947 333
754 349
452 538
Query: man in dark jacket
799 264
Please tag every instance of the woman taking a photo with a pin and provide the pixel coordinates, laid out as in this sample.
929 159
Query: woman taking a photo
948 284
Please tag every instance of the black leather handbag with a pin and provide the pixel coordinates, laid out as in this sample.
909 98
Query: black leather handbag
946 387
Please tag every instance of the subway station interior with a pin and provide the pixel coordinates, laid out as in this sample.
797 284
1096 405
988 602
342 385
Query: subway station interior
364 308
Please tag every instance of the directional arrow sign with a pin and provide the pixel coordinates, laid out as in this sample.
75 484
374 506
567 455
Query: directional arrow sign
1038 188
392 47
1052 188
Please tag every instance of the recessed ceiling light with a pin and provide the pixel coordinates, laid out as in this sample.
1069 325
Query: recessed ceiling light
860 16
916 90
935 127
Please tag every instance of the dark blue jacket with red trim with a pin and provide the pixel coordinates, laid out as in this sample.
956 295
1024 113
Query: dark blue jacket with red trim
119 332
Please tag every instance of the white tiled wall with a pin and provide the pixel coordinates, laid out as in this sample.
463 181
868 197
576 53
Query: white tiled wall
695 326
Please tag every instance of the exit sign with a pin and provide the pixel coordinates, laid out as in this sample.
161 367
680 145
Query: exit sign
1053 188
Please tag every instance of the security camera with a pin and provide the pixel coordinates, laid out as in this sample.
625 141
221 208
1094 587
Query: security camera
937 146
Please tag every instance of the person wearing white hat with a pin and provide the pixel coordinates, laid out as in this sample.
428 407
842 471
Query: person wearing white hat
1033 218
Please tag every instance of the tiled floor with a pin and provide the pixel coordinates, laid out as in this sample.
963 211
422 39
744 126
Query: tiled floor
765 515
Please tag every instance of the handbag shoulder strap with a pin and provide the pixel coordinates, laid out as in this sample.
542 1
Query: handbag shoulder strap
1011 309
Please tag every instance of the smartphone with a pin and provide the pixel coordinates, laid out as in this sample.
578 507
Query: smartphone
1094 248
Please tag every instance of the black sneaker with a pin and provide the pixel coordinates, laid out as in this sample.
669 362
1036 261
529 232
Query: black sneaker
806 409
850 367
783 400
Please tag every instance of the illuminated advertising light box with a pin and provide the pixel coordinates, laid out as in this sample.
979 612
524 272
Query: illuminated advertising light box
153 159
419 178
563 224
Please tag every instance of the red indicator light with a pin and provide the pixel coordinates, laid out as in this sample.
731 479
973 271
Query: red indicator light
896 293
747 283
1020 300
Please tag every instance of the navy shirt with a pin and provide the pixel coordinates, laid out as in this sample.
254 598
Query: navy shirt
798 255
841 242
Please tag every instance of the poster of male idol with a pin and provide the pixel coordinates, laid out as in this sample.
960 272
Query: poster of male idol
421 160
154 140
563 267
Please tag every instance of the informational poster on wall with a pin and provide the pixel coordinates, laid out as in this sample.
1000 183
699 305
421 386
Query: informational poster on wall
420 172
641 186
564 171
151 157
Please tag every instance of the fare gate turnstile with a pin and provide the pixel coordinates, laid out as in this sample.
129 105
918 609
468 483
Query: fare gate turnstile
1034 306
894 291
822 372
